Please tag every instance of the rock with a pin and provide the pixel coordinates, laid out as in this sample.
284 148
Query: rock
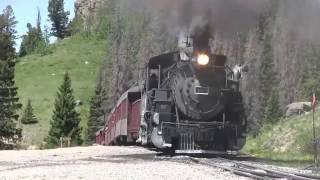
86 8
32 147
298 108
78 102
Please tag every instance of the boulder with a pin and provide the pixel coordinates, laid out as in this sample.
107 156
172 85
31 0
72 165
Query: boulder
298 108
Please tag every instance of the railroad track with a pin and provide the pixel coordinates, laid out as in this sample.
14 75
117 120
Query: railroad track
253 171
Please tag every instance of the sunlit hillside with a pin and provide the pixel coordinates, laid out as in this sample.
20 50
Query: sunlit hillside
38 78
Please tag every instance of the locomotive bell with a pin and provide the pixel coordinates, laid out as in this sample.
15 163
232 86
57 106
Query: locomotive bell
186 47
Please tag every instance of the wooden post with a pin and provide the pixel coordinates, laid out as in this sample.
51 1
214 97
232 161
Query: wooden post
69 140
61 141
315 140
315 143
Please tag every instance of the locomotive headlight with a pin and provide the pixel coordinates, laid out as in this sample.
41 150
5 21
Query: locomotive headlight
203 59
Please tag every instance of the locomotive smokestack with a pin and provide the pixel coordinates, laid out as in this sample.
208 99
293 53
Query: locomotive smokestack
196 41
201 38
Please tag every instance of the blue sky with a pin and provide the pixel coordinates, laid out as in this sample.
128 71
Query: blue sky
26 12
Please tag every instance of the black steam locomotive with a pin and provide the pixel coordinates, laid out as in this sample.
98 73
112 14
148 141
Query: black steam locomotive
191 102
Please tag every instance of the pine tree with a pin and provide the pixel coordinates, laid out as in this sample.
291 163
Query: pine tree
9 105
9 101
7 34
310 76
96 118
28 117
273 112
267 73
59 18
30 41
38 21
33 41
268 82
65 120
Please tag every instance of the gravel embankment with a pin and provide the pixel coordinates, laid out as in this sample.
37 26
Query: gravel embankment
98 162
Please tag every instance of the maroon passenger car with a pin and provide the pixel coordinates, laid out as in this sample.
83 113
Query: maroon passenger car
123 122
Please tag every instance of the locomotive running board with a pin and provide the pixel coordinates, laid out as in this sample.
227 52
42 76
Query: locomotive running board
207 152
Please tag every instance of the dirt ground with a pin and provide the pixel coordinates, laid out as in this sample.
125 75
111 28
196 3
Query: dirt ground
101 162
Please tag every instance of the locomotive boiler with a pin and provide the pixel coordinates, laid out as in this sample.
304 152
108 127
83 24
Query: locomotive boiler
191 102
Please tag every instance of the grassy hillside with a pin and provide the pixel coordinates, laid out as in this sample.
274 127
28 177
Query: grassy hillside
289 141
38 78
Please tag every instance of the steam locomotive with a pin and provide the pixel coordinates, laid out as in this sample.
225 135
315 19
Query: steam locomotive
190 102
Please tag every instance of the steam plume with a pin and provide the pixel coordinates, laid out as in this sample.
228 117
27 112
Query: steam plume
222 16
228 17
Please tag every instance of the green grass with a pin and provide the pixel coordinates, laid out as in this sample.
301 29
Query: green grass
290 141
38 78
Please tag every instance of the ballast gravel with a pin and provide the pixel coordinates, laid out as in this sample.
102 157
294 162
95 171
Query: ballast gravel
103 162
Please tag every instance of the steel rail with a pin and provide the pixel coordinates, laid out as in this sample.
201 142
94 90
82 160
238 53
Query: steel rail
276 172
230 169
256 172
